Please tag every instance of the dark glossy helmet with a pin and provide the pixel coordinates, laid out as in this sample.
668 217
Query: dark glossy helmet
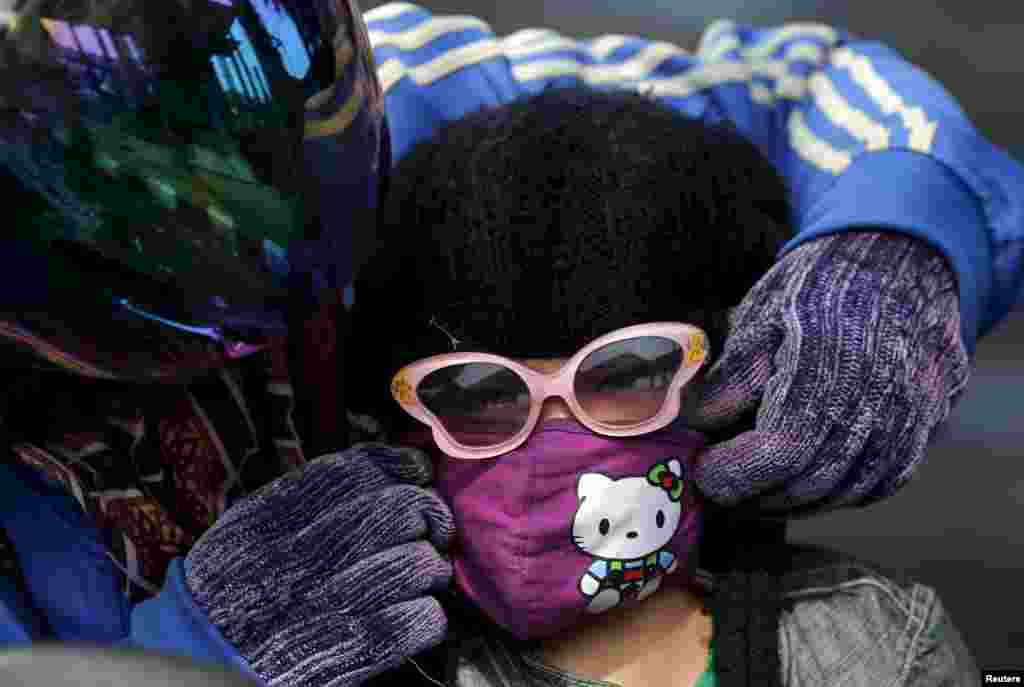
179 175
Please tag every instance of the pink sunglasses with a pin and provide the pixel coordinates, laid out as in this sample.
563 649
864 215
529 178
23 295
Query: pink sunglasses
625 383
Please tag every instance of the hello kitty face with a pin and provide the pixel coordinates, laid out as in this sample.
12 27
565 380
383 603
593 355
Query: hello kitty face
627 518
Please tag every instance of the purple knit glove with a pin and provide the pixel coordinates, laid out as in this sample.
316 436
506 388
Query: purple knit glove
850 350
324 576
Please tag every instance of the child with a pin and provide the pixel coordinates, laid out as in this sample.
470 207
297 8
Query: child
544 234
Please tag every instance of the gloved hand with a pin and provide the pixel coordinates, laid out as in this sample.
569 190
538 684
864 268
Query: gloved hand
851 346
324 576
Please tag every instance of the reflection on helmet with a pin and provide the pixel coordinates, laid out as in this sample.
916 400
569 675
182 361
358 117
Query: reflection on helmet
193 160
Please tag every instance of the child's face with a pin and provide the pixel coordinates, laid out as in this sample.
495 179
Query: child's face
540 525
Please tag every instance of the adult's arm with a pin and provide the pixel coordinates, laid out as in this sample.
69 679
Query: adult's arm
258 593
67 588
863 137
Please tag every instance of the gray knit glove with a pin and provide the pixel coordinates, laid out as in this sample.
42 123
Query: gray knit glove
850 351
324 577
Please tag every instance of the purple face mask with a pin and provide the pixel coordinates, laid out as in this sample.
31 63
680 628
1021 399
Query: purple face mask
572 523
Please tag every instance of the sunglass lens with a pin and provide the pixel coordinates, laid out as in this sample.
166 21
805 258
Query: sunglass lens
626 382
479 404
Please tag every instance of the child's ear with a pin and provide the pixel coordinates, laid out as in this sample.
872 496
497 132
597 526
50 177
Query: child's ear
590 484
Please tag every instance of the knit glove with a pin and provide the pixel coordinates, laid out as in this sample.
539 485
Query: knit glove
850 352
324 577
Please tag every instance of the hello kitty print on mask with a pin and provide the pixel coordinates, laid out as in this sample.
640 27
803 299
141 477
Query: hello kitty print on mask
625 525
572 523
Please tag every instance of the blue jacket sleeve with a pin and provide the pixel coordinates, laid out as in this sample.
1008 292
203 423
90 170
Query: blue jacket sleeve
171 622
72 590
68 578
862 137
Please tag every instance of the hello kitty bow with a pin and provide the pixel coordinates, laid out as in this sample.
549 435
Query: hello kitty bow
662 476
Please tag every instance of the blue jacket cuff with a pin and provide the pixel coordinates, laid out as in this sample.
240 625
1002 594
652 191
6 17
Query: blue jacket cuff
936 207
172 622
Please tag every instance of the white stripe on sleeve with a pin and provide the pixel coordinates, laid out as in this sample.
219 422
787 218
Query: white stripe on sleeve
416 37
844 116
389 11
812 149
922 130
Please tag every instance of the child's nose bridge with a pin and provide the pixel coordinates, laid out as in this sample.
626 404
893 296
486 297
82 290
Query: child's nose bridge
556 386
554 407
553 390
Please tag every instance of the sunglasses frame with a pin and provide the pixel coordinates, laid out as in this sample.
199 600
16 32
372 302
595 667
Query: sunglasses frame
558 383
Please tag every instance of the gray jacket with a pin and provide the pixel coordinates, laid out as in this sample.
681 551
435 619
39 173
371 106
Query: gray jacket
840 622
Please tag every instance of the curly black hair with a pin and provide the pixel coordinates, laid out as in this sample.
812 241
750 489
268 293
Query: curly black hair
530 228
